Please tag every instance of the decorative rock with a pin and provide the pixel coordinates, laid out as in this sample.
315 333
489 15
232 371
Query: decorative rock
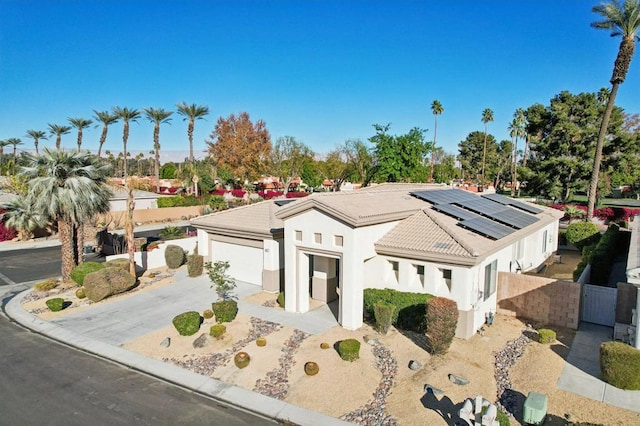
371 340
430 389
415 365
458 380
201 341
166 342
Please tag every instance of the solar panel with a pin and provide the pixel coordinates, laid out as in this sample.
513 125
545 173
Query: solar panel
281 203
487 227
511 202
481 205
443 196
514 218
455 211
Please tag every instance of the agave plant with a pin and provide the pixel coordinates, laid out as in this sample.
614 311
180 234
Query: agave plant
171 233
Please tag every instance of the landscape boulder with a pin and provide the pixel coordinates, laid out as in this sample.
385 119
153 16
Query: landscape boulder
107 282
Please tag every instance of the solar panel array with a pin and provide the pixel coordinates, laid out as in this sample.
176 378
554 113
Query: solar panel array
281 203
491 215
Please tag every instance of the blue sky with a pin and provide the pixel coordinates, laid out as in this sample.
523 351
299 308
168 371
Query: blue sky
322 71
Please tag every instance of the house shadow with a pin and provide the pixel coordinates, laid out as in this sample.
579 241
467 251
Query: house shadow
419 339
334 307
444 407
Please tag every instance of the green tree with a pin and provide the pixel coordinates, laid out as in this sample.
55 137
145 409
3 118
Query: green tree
517 129
58 131
477 154
106 118
15 142
157 116
445 166
622 19
67 188
36 135
80 124
437 109
487 116
126 115
220 281
359 160
168 171
192 113
287 158
399 158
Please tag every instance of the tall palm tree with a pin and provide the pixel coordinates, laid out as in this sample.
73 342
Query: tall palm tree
437 109
487 116
67 188
15 142
20 215
36 135
622 19
157 116
126 115
80 124
192 112
106 118
519 128
3 143
55 129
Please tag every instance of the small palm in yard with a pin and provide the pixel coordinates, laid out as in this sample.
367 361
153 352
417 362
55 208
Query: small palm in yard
171 233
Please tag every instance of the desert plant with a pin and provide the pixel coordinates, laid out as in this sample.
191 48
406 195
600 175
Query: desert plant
383 313
174 256
217 202
217 331
225 310
241 359
46 285
261 341
79 272
187 323
280 299
582 234
222 282
442 319
546 335
620 365
311 368
195 264
56 304
324 345
171 233
349 349
80 294
410 307
207 314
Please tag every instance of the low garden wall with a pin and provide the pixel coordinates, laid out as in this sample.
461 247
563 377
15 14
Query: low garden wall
542 300
117 219
155 258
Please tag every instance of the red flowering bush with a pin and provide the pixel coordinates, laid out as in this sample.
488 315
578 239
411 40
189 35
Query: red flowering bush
6 233
297 194
267 195
219 192
238 193
173 190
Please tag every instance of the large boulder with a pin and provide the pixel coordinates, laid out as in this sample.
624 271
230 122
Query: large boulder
107 282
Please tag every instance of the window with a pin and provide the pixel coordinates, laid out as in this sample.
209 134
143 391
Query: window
395 268
420 273
490 279
298 235
317 238
446 276
544 241
338 240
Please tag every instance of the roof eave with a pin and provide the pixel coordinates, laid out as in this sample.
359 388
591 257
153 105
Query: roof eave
426 256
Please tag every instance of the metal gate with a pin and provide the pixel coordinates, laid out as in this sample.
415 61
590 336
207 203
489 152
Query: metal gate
599 304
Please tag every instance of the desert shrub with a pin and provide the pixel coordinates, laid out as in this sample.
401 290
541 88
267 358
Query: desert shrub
207 314
118 263
241 359
217 202
217 330
349 349
225 310
324 345
220 281
602 256
280 299
311 368
195 264
56 304
80 294
46 285
79 272
261 341
171 233
582 234
187 323
383 314
174 256
442 319
410 307
546 335
620 365
179 201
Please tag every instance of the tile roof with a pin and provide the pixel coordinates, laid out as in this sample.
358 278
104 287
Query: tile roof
253 220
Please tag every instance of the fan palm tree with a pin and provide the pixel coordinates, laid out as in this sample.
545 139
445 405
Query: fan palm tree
36 135
157 116
437 109
67 188
192 112
126 115
106 118
487 116
15 142
80 124
55 129
622 19
20 215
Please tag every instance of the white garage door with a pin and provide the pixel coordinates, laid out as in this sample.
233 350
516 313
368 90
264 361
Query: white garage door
245 263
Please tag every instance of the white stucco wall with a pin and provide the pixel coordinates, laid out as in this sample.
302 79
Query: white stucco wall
155 258
141 204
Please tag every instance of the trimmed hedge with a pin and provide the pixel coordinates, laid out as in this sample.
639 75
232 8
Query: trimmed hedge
410 307
187 323
225 310
582 234
442 319
383 313
195 265
174 256
179 201
620 365
601 258
79 272
349 349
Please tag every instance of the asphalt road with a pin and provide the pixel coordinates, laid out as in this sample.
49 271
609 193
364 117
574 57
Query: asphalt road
44 382
19 266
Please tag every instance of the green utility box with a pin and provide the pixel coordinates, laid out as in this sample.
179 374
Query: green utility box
535 408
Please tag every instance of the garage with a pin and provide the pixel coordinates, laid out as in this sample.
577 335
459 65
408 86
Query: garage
245 263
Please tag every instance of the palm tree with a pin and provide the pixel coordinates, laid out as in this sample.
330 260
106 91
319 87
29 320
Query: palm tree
437 109
487 116
126 115
106 118
80 124
517 128
20 215
55 129
157 116
192 112
67 188
622 19
36 135
15 142
3 143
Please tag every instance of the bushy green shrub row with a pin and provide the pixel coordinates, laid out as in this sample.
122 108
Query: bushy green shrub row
602 256
187 323
410 308
180 201
349 349
79 272
442 319
225 310
620 365
582 234
586 252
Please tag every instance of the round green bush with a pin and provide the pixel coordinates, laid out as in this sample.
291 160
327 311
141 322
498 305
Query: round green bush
187 323
582 234
56 304
207 313
261 341
620 365
174 256
80 294
546 336
225 310
79 272
349 349
280 299
217 330
46 285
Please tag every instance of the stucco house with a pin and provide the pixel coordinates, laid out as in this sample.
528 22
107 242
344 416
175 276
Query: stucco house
144 199
409 237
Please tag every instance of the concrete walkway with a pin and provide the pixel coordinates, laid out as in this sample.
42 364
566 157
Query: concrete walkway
581 373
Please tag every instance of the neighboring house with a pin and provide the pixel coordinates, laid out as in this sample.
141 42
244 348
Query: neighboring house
409 237
144 199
